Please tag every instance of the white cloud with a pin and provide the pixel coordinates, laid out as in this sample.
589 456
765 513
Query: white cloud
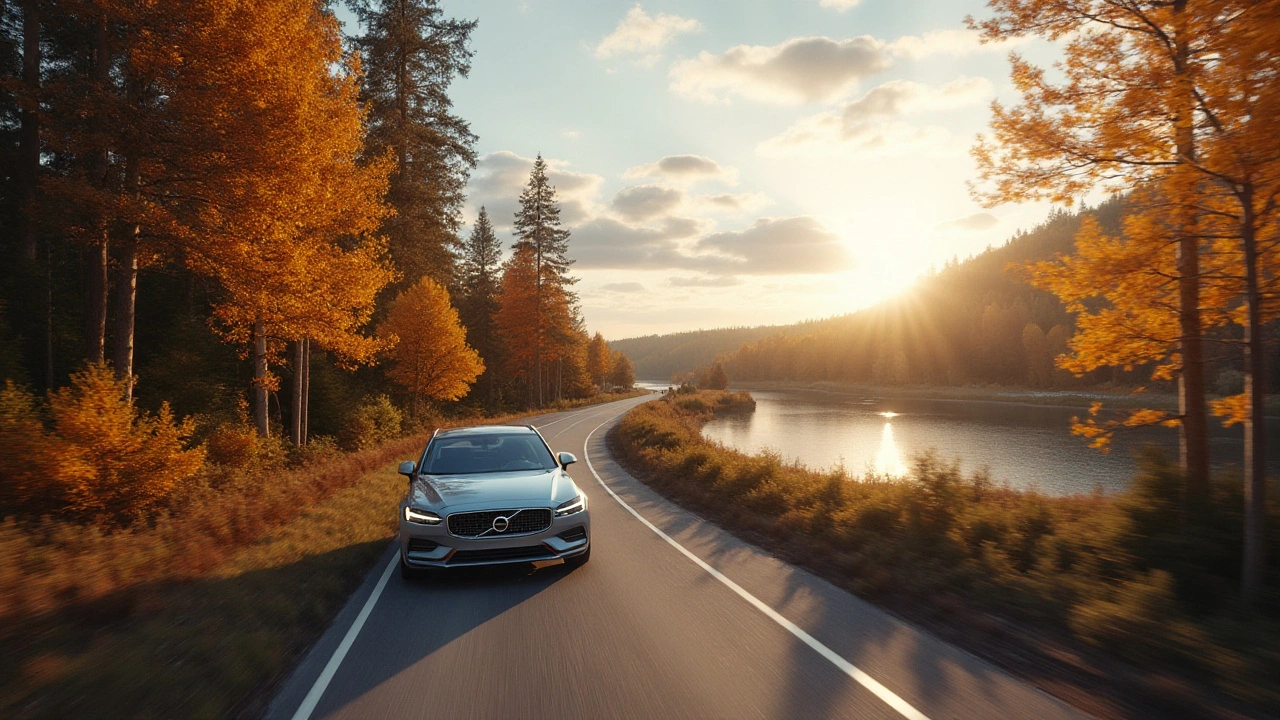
608 243
703 281
810 69
952 41
780 246
840 5
627 287
874 122
976 222
735 202
639 34
798 70
639 203
500 176
570 134
684 169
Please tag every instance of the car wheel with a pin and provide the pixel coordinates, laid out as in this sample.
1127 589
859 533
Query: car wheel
578 561
411 574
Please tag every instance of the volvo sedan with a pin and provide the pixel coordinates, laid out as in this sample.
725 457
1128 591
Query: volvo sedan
490 495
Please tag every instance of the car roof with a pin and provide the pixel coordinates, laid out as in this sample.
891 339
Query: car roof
487 430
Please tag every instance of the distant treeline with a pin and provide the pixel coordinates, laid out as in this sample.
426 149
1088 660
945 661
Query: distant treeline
658 357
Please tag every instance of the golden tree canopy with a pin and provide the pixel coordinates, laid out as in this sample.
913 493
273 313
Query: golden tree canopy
428 345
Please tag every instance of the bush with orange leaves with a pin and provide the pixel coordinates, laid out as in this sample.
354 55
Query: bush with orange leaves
91 454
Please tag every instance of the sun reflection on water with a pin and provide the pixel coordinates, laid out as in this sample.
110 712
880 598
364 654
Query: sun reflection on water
889 460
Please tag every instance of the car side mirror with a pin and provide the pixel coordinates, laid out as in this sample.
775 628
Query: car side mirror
407 468
567 459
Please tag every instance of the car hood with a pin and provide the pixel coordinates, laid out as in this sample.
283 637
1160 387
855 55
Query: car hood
495 490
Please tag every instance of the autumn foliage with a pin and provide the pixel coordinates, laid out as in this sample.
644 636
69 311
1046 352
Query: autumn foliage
100 459
429 350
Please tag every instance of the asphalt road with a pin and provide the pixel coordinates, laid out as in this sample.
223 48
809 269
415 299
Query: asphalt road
689 623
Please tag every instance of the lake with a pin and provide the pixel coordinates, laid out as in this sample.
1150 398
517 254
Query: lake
1026 446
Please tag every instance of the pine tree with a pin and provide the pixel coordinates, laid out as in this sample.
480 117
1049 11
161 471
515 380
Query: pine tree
479 280
544 243
411 54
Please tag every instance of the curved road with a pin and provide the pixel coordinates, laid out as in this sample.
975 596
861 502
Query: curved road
672 618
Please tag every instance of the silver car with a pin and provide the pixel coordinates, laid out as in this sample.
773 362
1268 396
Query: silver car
490 495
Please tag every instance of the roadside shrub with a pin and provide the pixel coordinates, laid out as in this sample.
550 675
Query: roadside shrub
319 449
102 459
1141 621
374 421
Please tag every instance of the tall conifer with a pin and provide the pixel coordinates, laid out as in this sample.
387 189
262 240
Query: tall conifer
479 277
411 53
540 236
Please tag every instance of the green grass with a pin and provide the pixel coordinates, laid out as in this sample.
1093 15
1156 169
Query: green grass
1113 577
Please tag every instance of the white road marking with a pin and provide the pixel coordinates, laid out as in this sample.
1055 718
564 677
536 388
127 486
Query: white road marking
313 697
848 668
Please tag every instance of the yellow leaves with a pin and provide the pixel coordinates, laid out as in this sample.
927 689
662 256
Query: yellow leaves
428 345
1232 410
1100 432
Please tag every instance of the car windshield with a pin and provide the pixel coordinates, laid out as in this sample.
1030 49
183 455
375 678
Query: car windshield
498 452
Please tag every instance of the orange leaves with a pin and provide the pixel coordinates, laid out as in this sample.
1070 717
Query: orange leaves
1100 432
289 231
1233 409
103 459
428 345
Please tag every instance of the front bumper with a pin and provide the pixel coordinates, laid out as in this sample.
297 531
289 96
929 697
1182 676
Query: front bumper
432 546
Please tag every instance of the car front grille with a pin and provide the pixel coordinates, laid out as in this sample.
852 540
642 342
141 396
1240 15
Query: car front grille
515 554
521 522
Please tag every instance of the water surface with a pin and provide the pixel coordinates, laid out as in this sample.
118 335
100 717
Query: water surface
1026 446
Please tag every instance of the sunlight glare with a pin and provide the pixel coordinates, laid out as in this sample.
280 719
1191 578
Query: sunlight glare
889 460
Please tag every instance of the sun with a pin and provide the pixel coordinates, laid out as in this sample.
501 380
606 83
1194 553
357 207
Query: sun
879 277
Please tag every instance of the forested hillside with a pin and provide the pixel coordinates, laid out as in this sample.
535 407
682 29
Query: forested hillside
658 357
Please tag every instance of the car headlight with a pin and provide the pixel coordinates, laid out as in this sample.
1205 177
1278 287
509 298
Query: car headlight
421 517
575 505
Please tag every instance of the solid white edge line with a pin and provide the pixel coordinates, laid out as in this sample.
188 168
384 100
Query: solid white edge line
331 668
848 668
313 697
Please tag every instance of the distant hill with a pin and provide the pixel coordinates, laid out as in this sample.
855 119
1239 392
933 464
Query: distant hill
658 357
970 322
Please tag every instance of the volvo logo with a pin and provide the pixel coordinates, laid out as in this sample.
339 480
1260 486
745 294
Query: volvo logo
500 524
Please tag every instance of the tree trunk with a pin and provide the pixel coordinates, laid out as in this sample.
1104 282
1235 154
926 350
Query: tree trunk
1192 405
295 410
96 283
1254 562
306 389
126 310
260 395
29 133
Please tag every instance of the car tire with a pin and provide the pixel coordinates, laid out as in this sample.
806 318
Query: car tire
411 574
578 561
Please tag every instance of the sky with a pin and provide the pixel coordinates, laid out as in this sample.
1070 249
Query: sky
739 163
